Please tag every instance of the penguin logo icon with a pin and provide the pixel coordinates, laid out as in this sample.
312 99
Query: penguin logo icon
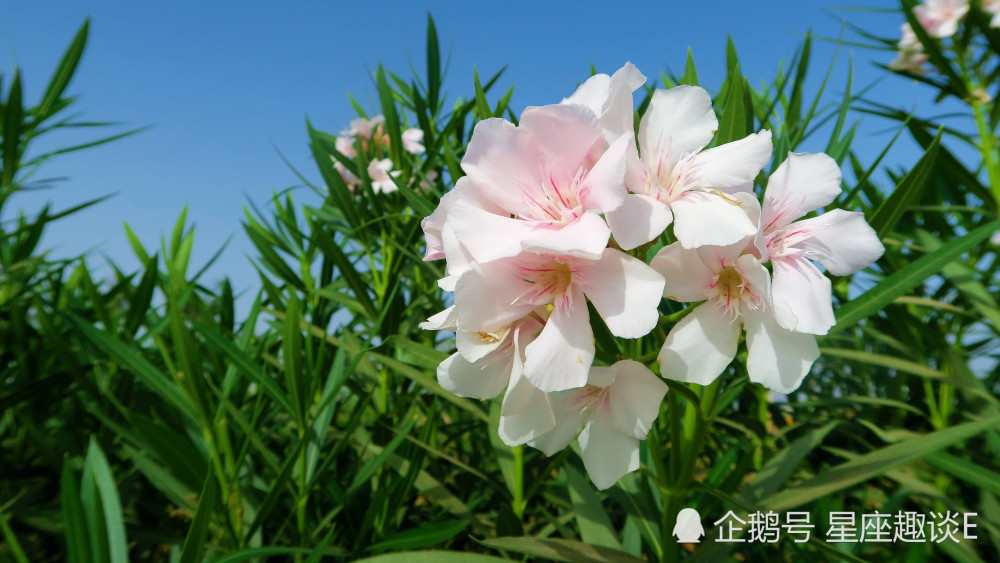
688 528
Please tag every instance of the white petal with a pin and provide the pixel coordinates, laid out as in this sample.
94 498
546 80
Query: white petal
686 275
476 345
484 297
445 320
520 391
607 453
624 290
841 241
700 346
568 422
635 398
777 358
586 237
677 122
610 98
640 219
561 356
802 183
533 421
480 380
710 218
734 163
802 296
603 188
488 236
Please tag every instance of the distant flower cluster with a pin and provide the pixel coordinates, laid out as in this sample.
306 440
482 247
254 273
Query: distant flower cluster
940 18
536 238
369 136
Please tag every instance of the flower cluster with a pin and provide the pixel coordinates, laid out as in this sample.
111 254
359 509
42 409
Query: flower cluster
536 238
369 136
940 18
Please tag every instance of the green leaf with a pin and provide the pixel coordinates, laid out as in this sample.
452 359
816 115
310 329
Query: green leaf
111 504
690 72
433 65
560 550
908 277
639 506
393 127
431 557
593 521
967 471
736 112
194 542
874 464
483 110
10 142
64 72
424 536
907 193
74 529
780 467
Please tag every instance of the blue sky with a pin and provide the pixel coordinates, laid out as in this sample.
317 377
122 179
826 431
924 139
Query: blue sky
223 84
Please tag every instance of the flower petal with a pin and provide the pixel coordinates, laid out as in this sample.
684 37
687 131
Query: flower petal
802 183
485 297
801 295
710 218
700 346
586 237
607 453
610 98
568 134
603 188
735 163
503 163
678 121
686 275
533 421
483 379
478 230
624 290
561 356
777 358
445 320
635 398
841 241
568 421
640 219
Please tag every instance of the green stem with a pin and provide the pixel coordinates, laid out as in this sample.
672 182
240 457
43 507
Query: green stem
518 504
988 147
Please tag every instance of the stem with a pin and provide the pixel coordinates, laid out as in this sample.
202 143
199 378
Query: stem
518 504
988 147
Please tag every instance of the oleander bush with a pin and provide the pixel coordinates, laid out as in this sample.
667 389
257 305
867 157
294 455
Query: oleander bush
564 252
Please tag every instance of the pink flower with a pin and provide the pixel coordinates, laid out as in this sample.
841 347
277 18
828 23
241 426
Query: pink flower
676 181
615 410
362 127
381 174
624 291
412 139
610 98
839 240
992 7
940 17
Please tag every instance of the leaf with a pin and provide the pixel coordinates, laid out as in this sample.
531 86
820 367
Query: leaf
74 529
560 550
194 542
967 471
433 65
639 506
908 277
432 557
874 464
780 467
736 112
111 504
424 536
907 193
690 73
64 72
593 521
10 134
483 110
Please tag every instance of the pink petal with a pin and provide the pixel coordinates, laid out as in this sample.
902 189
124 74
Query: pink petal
485 295
603 188
625 292
640 219
686 275
569 134
842 241
802 183
586 237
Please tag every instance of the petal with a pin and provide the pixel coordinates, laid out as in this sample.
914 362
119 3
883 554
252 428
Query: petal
734 163
678 121
801 295
841 241
635 398
777 358
610 98
585 237
488 236
685 273
802 183
535 420
624 290
603 188
700 346
503 163
520 391
640 219
569 134
568 422
478 380
445 320
485 295
710 218
607 453
476 345
561 356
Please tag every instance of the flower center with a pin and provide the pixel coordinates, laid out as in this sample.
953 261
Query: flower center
547 277
666 181
560 199
591 397
732 292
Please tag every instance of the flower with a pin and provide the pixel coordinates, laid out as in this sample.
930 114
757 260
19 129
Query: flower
364 128
940 17
615 409
624 290
610 98
839 240
412 139
911 57
676 181
381 174
736 289
992 7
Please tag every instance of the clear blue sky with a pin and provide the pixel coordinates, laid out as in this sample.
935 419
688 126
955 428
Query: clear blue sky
223 83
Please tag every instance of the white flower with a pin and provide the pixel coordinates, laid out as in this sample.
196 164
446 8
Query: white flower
381 173
940 17
362 127
992 7
412 139
615 409
676 181
610 98
839 240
